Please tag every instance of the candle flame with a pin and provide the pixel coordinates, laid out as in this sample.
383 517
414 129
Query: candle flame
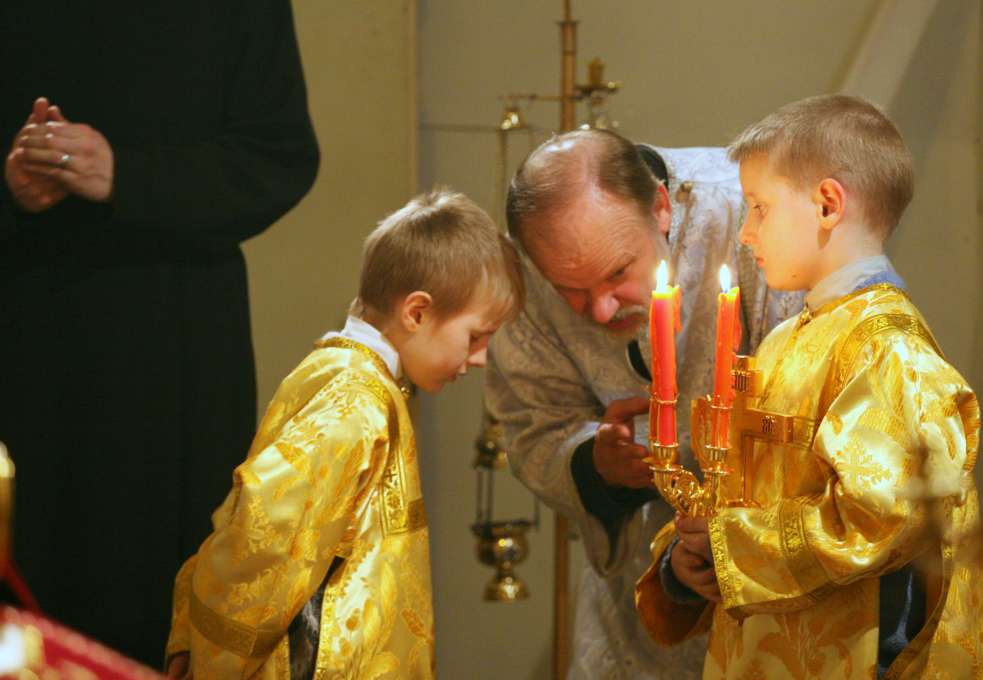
662 277
725 278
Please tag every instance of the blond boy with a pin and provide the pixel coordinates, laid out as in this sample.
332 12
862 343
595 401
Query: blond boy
319 559
858 562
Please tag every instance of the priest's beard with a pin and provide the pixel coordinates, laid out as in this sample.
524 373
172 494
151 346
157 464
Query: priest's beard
637 313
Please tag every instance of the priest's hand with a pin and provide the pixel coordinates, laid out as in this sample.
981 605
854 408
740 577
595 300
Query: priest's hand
77 156
33 192
617 458
179 666
692 558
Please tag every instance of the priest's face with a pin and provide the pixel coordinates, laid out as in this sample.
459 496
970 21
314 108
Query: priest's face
601 255
782 227
440 350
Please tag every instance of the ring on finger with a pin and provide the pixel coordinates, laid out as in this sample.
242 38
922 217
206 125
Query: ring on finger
65 159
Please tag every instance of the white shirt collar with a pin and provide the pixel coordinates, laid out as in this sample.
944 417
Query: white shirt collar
846 279
366 334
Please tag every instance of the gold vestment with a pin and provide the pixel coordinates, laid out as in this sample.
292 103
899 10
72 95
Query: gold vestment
332 473
877 475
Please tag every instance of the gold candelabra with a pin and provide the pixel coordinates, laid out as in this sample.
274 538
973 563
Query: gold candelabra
714 426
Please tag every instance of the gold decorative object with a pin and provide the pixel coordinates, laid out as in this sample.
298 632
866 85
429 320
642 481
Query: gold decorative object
750 423
491 455
680 487
511 117
6 504
596 92
501 544
726 469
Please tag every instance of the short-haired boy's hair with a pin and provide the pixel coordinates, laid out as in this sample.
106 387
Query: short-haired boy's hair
441 243
842 137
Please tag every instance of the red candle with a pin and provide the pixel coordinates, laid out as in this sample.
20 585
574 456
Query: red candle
664 321
728 341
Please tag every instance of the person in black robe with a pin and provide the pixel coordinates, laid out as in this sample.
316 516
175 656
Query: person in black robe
127 386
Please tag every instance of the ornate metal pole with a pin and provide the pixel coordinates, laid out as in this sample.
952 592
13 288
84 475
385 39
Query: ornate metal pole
561 547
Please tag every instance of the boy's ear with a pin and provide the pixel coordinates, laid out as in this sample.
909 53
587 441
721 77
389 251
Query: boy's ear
830 200
662 209
414 309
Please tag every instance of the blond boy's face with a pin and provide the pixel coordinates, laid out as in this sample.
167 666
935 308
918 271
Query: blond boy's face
441 350
782 227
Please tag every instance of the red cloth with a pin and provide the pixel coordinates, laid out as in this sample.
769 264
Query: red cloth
73 656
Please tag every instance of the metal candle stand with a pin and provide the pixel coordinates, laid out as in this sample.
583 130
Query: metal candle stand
712 425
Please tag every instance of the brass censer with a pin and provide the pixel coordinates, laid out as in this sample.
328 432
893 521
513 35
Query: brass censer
501 544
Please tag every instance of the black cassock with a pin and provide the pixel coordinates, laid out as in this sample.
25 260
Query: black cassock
127 385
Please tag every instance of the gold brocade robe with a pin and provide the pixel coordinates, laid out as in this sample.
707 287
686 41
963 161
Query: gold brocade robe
878 475
332 473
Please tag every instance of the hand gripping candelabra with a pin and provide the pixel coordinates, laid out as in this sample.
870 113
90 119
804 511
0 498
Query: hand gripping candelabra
711 415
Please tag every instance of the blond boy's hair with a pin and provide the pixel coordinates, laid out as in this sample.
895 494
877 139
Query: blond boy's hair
441 243
841 137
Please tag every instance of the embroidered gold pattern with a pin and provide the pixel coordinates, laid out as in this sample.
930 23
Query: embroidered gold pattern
230 634
259 534
969 410
878 288
867 329
284 486
242 594
806 570
879 420
282 654
858 467
417 515
718 543
345 343
294 455
249 478
398 516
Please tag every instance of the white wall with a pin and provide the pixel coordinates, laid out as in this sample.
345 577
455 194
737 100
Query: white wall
939 245
360 68
695 73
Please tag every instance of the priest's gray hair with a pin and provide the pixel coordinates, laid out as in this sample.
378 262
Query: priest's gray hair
841 137
565 165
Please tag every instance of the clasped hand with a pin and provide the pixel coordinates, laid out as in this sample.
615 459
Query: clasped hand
692 557
51 157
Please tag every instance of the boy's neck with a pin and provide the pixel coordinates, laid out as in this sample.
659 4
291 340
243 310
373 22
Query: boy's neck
364 330
382 323
847 243
851 242
850 277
